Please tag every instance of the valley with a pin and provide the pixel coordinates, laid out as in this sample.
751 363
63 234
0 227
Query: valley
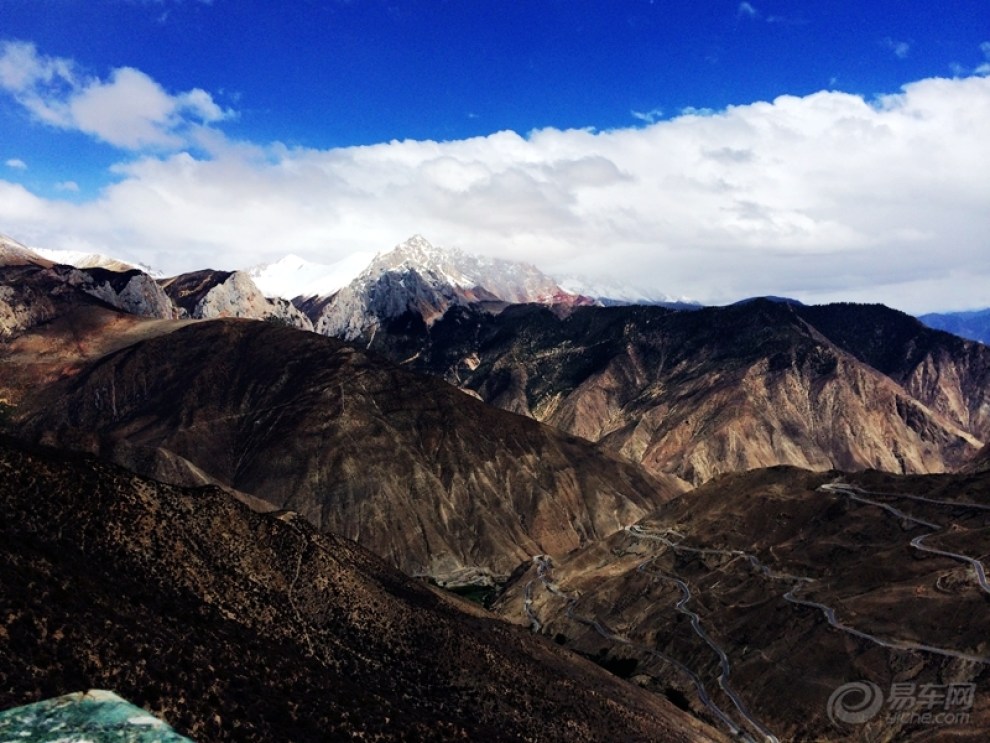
698 523
757 619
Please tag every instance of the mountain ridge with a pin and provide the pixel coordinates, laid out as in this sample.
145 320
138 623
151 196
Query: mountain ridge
973 324
461 491
718 389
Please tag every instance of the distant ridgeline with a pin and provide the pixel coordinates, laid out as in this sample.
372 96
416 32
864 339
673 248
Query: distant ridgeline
973 325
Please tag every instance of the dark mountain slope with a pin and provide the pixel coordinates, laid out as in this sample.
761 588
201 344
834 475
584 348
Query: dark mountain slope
238 626
946 373
418 472
750 551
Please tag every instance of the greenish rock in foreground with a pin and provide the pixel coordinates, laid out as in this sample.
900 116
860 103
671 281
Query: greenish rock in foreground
84 717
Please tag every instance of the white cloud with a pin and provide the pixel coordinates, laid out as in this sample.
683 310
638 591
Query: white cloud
129 110
648 117
16 164
825 196
901 49
67 186
747 10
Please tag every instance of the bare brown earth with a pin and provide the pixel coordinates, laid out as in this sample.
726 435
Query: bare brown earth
424 475
722 389
616 601
238 626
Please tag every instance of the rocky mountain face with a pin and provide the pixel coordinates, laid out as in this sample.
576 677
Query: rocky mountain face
757 596
981 462
132 291
208 294
721 389
234 625
943 371
417 279
31 294
431 479
199 295
974 325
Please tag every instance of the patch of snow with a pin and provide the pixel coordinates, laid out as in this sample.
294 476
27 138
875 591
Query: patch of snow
294 276
84 259
608 291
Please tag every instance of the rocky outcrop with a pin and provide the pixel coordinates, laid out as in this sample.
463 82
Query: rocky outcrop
205 295
22 308
81 716
31 295
131 291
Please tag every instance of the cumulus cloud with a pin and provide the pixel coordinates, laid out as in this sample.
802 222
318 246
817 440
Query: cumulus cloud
128 110
16 164
822 197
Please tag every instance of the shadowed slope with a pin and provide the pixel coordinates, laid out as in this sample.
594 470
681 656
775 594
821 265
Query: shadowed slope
761 559
238 626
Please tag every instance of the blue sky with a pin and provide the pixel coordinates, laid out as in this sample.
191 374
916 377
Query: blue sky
116 107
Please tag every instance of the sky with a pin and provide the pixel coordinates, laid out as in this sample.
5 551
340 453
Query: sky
709 150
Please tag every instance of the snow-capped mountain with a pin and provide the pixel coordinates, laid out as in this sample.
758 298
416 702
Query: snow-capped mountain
82 259
426 280
13 252
609 292
292 276
509 281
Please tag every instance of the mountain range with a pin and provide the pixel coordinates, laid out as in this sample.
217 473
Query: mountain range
974 325
734 510
698 393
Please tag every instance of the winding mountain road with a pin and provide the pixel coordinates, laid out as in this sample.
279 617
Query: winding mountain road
723 658
544 572
829 611
860 495
666 537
